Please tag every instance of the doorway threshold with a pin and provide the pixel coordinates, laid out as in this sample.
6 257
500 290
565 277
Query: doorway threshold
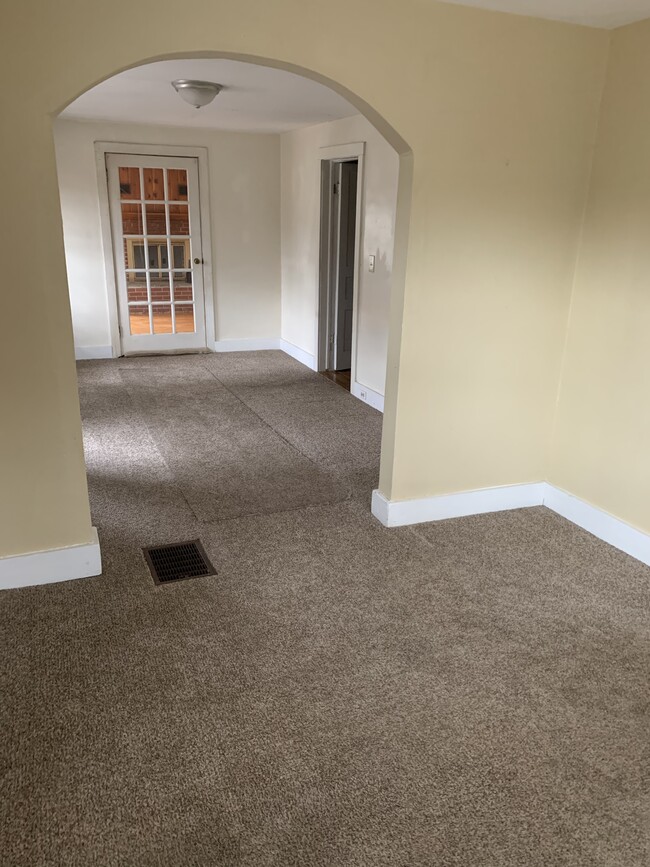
340 377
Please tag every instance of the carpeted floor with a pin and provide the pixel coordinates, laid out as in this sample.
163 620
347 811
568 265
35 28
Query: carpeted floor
472 692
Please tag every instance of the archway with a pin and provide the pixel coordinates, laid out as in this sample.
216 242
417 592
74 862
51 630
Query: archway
77 517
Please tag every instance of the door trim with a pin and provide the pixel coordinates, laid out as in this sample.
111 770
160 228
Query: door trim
339 153
201 155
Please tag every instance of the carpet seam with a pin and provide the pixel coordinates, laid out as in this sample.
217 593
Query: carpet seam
257 415
143 418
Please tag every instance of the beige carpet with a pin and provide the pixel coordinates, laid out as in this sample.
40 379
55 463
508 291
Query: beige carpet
473 692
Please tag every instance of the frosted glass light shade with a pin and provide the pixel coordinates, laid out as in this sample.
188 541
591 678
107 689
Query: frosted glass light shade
197 93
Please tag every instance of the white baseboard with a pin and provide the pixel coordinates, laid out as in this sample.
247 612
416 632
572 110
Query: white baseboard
84 353
247 344
299 354
399 513
612 530
604 526
46 567
367 395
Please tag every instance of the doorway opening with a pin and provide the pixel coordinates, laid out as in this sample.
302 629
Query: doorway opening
267 282
340 225
161 174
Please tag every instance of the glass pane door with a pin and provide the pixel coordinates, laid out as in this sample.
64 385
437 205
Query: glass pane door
155 227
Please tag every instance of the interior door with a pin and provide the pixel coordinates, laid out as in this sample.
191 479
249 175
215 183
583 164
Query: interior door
346 186
156 230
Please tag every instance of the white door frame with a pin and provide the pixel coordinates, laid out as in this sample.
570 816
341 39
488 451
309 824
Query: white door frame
342 152
201 155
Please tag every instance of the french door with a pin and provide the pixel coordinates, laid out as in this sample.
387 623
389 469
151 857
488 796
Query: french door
156 230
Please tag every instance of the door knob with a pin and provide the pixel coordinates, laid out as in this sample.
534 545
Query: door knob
197 261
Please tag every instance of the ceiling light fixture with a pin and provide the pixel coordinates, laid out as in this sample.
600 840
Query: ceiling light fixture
197 93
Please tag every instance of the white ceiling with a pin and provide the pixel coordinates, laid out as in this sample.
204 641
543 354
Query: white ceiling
593 13
254 98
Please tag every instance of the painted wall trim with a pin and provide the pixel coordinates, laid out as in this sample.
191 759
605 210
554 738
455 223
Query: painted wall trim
344 151
247 344
399 513
86 352
612 530
604 526
299 354
367 395
47 567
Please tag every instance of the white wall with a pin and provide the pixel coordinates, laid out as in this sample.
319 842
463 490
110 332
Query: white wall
245 217
300 240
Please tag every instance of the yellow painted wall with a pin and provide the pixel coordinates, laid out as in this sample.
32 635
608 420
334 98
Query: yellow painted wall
500 113
501 177
601 448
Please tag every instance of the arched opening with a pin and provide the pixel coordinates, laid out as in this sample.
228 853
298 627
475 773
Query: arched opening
374 117
264 155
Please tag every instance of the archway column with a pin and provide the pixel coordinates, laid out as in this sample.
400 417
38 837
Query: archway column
43 493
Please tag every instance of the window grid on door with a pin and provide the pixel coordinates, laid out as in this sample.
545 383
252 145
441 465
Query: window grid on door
157 250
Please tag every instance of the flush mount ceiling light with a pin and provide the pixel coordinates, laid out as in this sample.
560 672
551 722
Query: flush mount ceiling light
197 93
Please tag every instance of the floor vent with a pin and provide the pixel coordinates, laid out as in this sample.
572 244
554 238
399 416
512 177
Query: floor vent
178 562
